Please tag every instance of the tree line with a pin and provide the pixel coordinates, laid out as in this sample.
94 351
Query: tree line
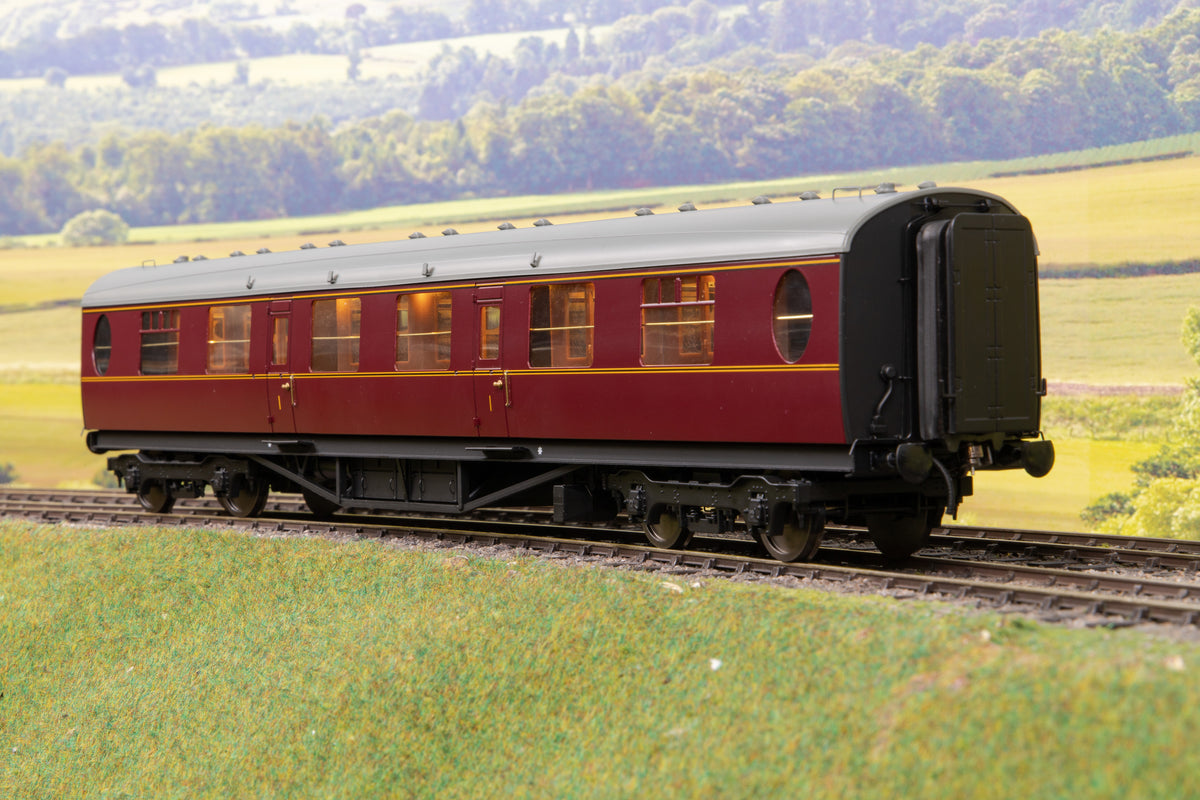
750 114
787 24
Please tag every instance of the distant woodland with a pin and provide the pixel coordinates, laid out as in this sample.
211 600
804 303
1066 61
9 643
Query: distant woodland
661 94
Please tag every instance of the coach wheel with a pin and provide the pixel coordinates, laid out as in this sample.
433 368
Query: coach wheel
901 535
797 538
155 497
248 501
319 506
666 527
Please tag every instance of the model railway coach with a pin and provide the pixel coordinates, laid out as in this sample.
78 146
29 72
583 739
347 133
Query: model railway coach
851 358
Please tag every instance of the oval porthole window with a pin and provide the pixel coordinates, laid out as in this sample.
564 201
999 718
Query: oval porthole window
792 316
102 345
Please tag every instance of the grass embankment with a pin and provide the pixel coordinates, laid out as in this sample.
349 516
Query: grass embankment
156 663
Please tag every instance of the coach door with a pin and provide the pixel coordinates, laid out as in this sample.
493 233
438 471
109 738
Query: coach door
493 388
979 358
281 381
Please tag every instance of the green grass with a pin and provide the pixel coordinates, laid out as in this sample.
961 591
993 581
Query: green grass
154 663
1122 417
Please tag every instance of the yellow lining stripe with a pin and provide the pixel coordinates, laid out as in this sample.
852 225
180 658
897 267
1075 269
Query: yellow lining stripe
434 373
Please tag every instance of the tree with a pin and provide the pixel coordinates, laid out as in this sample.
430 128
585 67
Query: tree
1166 498
95 227
56 77
143 77
8 473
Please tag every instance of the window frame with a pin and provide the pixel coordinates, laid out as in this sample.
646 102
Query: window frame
560 340
440 313
346 335
159 328
240 363
102 363
670 317
789 338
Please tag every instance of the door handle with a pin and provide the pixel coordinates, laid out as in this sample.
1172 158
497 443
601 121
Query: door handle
503 383
287 386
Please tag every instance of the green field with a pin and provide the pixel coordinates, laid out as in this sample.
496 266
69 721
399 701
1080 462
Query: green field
173 663
1117 330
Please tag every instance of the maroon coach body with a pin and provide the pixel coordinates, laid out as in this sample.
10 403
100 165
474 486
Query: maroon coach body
765 368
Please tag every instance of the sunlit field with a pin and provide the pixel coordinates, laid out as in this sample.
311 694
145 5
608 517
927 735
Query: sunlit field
401 60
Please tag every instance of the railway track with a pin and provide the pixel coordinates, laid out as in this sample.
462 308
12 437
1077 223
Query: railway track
1081 578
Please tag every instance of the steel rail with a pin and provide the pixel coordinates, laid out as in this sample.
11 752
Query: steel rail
1119 600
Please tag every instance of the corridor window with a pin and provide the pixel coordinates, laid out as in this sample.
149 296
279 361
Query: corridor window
793 316
335 325
561 325
678 317
423 331
102 345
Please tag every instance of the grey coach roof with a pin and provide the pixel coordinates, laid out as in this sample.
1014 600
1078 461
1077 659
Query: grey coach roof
776 230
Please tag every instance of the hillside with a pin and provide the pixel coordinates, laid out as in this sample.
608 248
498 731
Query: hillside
226 118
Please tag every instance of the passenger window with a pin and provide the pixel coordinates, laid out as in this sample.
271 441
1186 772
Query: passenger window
102 345
489 332
160 342
678 317
229 339
423 331
336 325
561 325
792 316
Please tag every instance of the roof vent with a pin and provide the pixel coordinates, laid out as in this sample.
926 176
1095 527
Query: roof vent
262 251
543 222
643 212
761 200
885 188
810 195
449 232
200 258
337 243
688 207
926 185
507 226
181 259
417 235
308 246
236 253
